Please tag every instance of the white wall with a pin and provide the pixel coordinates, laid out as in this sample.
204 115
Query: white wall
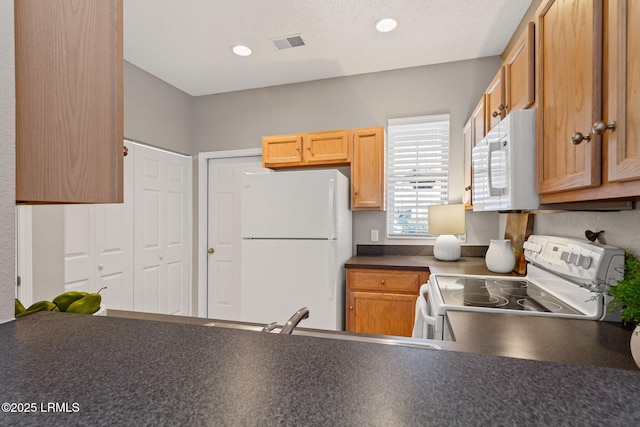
7 161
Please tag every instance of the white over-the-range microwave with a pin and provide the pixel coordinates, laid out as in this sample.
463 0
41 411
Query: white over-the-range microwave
504 168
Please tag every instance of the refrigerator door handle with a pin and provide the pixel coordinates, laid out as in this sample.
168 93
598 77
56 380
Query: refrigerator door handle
331 266
331 211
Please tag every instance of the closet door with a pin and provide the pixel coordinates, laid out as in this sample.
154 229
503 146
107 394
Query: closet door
162 244
99 247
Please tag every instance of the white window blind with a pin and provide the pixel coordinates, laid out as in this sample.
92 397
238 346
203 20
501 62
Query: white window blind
417 172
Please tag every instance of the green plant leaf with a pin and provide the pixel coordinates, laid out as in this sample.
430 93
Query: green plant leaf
626 294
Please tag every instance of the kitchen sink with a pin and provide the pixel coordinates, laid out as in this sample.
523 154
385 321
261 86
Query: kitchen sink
336 335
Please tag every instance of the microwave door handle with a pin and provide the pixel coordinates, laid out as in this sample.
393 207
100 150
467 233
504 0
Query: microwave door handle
492 147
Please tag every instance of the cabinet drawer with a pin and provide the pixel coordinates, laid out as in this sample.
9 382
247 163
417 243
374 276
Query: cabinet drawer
386 280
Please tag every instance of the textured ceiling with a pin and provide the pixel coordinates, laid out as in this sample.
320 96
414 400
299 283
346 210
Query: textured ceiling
187 43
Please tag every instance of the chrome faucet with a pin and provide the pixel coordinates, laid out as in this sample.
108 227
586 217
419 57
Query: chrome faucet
303 313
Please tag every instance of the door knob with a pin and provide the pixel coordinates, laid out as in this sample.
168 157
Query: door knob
578 137
601 126
210 251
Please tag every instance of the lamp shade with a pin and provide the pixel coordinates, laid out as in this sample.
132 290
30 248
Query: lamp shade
446 219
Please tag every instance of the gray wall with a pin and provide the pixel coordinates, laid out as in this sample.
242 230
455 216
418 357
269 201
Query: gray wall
156 113
240 119
7 161
48 251
621 229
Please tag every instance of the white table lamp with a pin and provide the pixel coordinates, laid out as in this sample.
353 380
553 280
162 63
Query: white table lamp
446 220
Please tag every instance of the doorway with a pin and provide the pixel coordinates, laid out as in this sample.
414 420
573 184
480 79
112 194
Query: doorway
220 184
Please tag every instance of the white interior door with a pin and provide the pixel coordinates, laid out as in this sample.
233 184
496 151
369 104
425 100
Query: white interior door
114 253
79 247
99 247
223 233
161 232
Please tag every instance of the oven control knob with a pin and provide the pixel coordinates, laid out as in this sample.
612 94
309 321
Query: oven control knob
573 259
584 261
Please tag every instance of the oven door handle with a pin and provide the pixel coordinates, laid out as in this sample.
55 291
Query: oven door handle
422 319
431 320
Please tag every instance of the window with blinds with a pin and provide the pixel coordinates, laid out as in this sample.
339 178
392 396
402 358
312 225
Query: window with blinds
417 172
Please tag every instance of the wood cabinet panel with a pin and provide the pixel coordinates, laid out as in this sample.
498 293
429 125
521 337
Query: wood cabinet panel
327 148
494 100
69 101
382 301
622 90
386 314
569 74
519 72
281 151
478 121
367 169
386 280
608 165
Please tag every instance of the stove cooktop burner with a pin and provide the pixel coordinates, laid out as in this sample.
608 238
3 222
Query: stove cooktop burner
507 294
480 299
522 292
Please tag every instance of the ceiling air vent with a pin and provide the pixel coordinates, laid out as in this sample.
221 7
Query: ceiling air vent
288 42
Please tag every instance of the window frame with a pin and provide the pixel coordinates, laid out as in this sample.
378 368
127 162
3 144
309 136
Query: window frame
393 176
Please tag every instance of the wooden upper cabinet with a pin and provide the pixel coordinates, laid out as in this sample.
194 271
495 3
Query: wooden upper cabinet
478 122
495 100
307 149
69 101
519 72
281 151
467 140
327 148
367 169
569 78
622 90
588 57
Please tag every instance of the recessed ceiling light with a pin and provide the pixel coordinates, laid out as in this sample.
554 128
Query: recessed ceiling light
386 24
241 50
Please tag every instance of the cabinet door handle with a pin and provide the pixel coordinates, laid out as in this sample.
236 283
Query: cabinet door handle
578 137
125 150
210 251
501 108
601 127
350 307
382 282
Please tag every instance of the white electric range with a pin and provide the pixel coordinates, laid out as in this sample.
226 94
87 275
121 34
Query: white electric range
565 278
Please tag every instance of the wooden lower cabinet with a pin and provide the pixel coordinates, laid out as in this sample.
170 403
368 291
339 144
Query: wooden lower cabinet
382 301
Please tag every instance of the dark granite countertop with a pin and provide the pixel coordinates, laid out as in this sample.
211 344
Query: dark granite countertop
464 265
573 341
117 371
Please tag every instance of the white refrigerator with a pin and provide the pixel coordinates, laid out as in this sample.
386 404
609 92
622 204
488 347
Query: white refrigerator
296 237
